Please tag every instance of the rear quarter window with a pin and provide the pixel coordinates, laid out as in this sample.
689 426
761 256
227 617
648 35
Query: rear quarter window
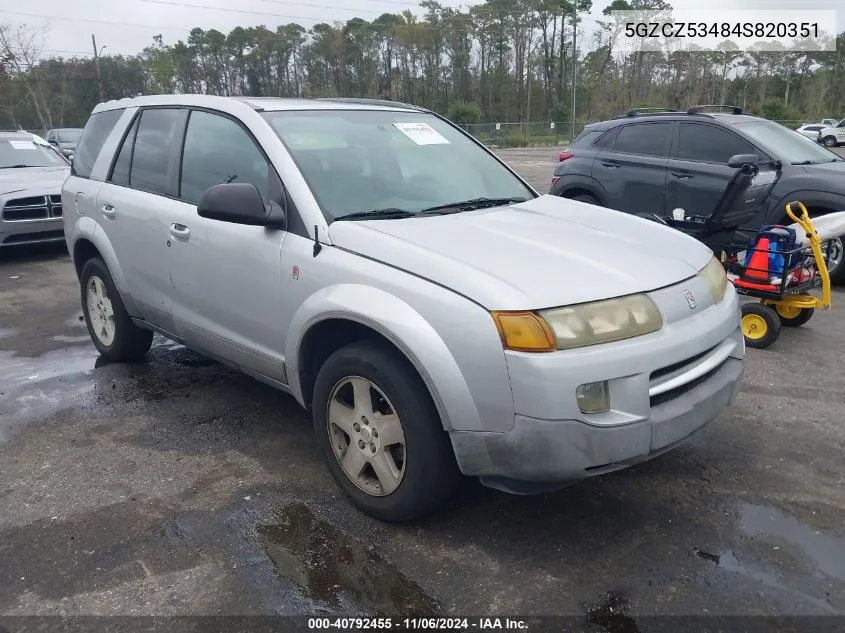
94 136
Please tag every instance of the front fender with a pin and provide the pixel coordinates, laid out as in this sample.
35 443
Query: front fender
812 198
405 328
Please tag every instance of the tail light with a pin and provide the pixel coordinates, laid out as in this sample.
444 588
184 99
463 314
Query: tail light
565 156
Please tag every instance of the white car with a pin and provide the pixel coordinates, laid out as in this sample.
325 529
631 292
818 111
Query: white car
810 130
833 135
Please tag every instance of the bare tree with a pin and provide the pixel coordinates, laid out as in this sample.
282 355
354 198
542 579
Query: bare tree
20 52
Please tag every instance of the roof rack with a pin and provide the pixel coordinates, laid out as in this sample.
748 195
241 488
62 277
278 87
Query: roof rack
699 108
645 112
377 102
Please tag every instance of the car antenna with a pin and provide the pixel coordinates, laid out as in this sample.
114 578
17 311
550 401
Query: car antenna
317 246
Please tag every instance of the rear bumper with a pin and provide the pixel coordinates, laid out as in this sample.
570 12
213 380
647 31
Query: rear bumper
560 451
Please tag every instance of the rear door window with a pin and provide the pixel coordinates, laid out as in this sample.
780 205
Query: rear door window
710 144
120 171
94 136
158 131
645 139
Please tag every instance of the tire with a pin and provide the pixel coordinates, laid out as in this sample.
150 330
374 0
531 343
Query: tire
111 329
793 317
761 325
421 463
585 197
837 255
830 141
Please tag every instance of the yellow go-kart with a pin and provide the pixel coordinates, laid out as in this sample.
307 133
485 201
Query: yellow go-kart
784 291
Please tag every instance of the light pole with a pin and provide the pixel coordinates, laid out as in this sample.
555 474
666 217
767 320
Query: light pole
97 66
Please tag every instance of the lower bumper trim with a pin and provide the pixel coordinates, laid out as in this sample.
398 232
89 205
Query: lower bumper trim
560 451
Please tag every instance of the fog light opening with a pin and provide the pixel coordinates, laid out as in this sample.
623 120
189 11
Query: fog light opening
593 397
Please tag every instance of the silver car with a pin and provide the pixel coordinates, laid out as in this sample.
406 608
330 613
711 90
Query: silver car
31 177
432 312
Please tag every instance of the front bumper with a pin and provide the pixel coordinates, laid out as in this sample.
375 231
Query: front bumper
560 451
664 387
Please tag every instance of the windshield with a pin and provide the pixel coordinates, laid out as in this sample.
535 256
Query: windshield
69 136
24 153
785 144
357 161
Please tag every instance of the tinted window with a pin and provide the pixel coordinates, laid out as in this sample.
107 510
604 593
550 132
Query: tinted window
218 150
94 135
584 138
157 132
813 128
605 139
120 171
785 144
646 139
710 144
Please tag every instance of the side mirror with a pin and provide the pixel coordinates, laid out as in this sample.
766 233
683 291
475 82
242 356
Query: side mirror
739 160
240 203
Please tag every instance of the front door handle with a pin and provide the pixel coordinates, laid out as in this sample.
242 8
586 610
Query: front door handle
109 211
611 165
180 231
681 175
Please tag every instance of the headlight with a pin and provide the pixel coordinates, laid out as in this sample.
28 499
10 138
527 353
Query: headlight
603 321
716 278
579 325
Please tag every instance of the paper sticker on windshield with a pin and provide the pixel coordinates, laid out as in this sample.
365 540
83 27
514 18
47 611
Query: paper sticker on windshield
23 144
421 133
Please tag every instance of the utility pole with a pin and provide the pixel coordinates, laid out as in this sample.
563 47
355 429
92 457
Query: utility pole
574 62
97 67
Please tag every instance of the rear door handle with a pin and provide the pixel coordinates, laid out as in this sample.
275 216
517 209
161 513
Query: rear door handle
180 231
681 175
611 165
109 211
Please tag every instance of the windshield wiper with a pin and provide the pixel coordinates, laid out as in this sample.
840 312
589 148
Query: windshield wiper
469 205
805 162
19 166
391 213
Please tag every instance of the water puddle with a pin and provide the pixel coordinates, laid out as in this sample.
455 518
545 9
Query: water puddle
28 390
822 555
334 568
825 552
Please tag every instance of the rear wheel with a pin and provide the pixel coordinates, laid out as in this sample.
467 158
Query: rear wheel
793 317
829 141
380 433
761 325
114 334
585 197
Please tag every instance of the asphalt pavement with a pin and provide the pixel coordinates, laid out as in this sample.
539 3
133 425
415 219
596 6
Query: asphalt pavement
176 486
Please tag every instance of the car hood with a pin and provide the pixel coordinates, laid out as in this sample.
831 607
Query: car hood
537 254
12 180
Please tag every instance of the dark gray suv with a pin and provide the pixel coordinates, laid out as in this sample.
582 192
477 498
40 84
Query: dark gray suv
654 162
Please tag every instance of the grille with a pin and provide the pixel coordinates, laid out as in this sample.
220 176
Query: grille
681 389
33 208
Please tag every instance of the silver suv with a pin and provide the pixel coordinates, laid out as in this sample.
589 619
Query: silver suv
433 313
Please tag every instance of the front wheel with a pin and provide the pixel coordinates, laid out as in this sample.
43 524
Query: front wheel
380 434
111 328
761 325
829 141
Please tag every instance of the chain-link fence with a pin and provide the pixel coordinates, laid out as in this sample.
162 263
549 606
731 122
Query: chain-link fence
537 134
544 133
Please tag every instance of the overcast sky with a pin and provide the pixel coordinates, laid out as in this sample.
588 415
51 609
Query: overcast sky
127 26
